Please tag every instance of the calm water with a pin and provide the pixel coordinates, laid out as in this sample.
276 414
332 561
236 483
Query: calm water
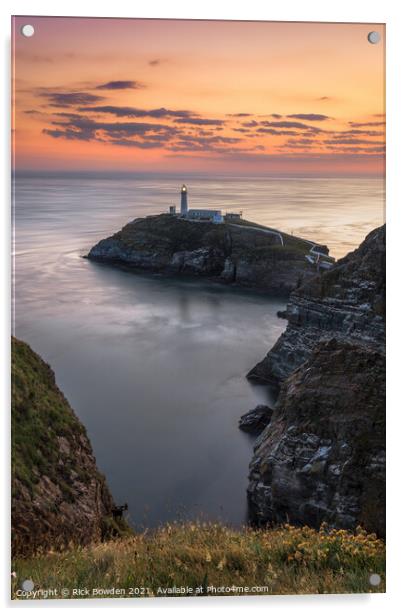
154 367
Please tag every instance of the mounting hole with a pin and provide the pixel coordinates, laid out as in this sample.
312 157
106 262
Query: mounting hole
28 585
375 579
373 37
27 30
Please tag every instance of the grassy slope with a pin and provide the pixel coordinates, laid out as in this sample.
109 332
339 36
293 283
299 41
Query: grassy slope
40 414
291 242
286 560
167 233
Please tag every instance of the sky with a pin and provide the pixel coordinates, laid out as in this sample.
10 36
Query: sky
213 97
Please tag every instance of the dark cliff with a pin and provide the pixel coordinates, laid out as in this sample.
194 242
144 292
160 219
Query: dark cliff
347 301
243 253
58 495
322 456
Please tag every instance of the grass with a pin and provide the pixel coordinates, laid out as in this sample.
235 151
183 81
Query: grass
168 234
40 414
204 557
292 242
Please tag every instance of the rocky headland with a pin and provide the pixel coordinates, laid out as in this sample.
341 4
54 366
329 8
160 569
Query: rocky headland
244 253
322 455
348 302
59 497
256 420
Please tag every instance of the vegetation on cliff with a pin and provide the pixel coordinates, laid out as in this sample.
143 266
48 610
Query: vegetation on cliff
166 233
282 560
58 494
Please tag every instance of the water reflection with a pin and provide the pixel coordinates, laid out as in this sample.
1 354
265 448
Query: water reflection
155 368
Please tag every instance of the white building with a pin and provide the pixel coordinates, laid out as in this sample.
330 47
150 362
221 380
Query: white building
205 215
233 216
199 215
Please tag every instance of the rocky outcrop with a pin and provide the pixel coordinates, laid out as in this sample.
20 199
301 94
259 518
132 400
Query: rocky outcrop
242 254
348 302
58 494
256 420
322 457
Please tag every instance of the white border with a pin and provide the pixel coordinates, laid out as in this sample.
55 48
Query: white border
291 10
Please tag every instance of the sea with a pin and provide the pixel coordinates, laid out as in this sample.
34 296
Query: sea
155 367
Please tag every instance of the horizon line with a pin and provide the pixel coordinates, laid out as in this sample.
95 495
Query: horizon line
107 174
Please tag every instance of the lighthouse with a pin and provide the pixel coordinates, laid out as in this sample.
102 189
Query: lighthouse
183 200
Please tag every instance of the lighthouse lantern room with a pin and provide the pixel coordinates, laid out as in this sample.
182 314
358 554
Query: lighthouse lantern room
183 201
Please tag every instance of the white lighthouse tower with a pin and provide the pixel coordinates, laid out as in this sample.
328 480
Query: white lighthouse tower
183 200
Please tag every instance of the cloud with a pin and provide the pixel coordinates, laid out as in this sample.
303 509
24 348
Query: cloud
250 124
155 62
372 151
143 135
310 117
200 121
197 145
135 112
120 85
300 141
365 124
238 115
135 143
288 124
358 131
69 99
350 140
274 131
83 128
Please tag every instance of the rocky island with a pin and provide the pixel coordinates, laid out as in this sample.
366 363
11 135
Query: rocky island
322 455
241 252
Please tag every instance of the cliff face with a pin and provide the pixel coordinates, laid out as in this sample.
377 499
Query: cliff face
244 254
322 456
58 494
348 302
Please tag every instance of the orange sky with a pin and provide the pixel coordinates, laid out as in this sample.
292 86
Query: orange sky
198 96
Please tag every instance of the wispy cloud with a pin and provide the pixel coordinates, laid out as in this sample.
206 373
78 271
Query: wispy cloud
291 124
135 112
200 121
349 141
69 99
361 124
310 117
239 115
155 62
120 85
